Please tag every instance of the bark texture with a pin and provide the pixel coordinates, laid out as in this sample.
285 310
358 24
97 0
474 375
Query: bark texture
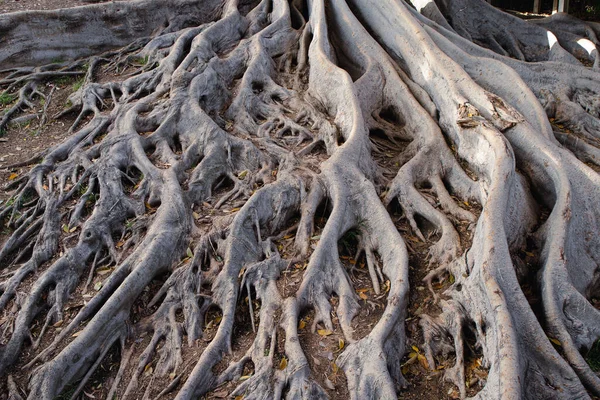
241 125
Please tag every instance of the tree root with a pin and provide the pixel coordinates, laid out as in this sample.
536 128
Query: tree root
249 140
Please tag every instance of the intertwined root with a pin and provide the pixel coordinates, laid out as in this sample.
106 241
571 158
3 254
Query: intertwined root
236 152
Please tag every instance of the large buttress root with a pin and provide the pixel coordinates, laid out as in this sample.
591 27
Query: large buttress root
253 141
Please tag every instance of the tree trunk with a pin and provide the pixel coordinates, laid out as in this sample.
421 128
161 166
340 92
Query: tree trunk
245 211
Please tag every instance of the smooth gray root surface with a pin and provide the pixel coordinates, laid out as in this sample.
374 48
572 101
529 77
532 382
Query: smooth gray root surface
249 140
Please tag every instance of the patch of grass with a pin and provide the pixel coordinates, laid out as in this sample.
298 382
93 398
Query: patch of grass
7 98
63 80
140 60
78 84
593 356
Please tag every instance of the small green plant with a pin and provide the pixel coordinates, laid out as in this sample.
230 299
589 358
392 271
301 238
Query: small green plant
82 189
78 84
7 98
140 60
62 80
593 356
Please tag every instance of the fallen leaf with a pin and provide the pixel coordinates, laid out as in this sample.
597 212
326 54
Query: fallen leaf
98 286
58 323
283 363
65 228
245 377
148 370
324 332
76 334
73 229
329 384
243 174
221 394
341 344
363 296
103 271
555 341
423 361
12 176
189 253
302 324
196 215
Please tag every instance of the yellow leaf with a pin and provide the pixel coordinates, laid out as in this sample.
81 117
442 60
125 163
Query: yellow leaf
73 229
555 341
423 361
244 378
12 176
288 236
283 363
76 334
324 332
65 228
218 319
119 244
239 397
363 296
302 324
196 215
236 209
416 349
341 344
334 367
103 271
189 253
243 174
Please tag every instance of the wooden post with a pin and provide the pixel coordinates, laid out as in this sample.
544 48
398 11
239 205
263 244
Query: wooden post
536 6
560 6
